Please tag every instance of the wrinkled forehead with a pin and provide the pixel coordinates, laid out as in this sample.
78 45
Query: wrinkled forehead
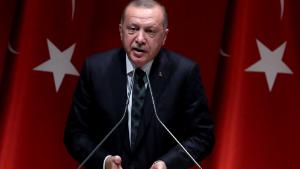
144 15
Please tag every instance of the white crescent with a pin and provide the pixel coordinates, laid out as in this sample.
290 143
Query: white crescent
223 53
11 49
73 8
282 8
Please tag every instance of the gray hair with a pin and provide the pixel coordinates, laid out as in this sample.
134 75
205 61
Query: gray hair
147 4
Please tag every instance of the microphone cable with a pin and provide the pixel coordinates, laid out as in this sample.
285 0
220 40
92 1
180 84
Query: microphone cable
157 117
113 129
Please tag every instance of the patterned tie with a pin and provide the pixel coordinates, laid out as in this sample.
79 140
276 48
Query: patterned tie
138 97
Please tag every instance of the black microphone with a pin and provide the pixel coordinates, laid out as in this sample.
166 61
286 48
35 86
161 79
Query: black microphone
113 129
165 127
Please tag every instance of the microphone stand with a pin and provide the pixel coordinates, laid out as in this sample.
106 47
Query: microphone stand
157 117
112 130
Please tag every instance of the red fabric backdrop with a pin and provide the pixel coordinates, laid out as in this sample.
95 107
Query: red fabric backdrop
252 86
257 89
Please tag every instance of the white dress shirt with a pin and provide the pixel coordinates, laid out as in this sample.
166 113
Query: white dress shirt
130 70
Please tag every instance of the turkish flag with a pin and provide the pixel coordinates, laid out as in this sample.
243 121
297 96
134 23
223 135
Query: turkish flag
256 101
43 44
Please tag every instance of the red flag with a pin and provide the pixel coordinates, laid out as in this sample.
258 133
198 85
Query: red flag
42 47
7 13
257 97
51 40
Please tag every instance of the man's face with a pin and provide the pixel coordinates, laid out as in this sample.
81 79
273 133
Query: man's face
142 33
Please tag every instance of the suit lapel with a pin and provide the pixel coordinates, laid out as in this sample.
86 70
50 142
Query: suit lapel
159 75
119 93
118 82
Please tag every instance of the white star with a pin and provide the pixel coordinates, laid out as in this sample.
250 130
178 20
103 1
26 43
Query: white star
270 63
59 63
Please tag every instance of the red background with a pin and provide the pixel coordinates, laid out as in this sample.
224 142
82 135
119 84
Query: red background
255 128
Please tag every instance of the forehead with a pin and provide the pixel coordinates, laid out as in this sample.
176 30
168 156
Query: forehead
144 15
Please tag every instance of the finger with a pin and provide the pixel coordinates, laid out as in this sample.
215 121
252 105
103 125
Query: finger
116 166
153 167
158 165
117 160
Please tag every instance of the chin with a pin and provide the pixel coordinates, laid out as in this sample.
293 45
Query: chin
139 63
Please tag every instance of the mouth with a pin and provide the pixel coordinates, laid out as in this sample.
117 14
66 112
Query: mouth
138 50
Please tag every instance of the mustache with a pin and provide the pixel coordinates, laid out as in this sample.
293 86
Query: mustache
139 49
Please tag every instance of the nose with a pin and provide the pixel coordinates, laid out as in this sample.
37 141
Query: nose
140 39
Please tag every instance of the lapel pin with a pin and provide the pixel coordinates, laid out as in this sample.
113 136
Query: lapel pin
160 74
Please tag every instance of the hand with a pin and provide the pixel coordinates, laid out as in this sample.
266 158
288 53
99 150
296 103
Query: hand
159 165
113 162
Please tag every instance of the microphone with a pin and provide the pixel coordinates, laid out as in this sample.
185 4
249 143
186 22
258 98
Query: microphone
113 129
165 127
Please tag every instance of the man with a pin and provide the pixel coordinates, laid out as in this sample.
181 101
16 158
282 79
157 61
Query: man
108 80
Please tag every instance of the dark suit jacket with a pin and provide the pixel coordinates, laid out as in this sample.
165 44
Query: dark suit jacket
99 102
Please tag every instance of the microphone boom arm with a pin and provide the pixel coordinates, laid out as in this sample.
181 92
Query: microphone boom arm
154 107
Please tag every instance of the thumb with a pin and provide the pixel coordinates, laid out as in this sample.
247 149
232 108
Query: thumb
154 167
117 159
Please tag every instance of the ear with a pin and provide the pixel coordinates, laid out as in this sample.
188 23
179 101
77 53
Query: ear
120 31
165 36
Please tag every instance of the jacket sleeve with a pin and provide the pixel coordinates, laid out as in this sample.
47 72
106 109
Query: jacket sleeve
77 138
199 136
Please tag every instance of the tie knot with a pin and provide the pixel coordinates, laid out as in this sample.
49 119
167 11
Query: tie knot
139 72
139 76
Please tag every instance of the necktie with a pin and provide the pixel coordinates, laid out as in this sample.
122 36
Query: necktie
138 97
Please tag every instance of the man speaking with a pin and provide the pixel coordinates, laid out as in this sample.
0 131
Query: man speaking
136 94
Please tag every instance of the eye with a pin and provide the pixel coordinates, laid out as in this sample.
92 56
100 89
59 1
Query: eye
151 32
132 29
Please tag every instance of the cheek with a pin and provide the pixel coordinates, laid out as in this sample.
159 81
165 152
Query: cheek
127 39
155 44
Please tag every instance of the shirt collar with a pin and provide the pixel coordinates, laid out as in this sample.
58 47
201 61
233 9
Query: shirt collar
130 66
